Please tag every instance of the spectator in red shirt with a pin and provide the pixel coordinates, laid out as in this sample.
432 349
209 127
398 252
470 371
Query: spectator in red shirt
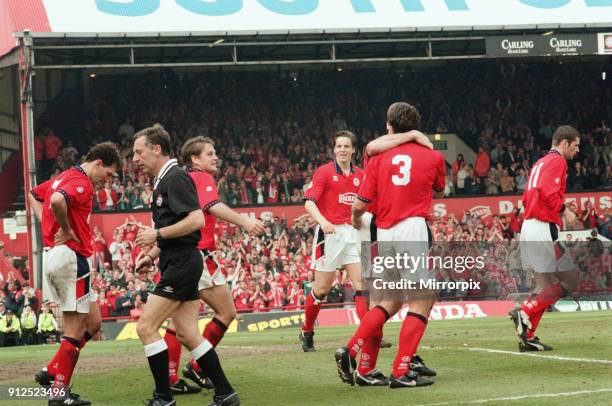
241 298
39 154
53 144
258 300
112 294
107 198
275 296
104 305
482 166
99 246
295 297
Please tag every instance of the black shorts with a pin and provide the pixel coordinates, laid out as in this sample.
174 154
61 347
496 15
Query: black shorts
181 269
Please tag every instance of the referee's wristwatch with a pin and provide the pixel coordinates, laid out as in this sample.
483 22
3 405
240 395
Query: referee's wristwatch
159 237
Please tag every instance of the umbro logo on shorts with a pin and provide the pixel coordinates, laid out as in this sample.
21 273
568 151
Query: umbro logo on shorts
168 289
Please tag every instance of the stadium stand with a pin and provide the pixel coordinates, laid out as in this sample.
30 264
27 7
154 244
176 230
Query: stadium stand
268 136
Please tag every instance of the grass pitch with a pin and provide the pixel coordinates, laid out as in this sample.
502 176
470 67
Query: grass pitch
476 359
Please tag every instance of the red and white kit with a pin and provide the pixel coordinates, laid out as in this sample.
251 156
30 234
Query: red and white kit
208 197
543 201
334 193
66 267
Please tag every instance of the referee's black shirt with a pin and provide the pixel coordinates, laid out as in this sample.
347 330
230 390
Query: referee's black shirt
173 199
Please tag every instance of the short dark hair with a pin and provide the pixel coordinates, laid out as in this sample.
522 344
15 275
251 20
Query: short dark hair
346 134
565 133
106 152
194 146
403 117
156 135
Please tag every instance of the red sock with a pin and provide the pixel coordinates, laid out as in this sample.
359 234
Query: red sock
362 303
371 324
411 333
548 296
213 332
313 305
535 320
52 366
174 355
65 361
369 354
195 366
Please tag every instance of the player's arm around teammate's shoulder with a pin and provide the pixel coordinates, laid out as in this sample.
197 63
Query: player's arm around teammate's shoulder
389 141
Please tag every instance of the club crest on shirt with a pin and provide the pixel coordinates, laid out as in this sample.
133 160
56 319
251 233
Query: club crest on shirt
557 181
356 182
335 178
159 201
209 188
80 189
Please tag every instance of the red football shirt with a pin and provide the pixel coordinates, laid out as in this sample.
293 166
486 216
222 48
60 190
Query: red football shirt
241 300
208 197
334 192
544 195
77 189
402 179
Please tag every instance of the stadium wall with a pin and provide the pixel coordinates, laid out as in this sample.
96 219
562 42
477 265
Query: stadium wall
258 322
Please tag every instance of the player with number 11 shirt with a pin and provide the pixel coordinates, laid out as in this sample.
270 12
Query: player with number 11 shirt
554 271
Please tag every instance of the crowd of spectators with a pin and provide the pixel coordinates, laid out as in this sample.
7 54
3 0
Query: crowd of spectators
272 129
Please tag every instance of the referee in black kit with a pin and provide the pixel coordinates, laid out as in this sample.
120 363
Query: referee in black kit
178 218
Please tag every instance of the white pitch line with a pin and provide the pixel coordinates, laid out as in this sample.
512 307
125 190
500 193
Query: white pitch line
536 355
533 396
525 354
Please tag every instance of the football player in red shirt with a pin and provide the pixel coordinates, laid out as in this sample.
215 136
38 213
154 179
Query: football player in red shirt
336 244
544 203
200 156
401 216
63 205
366 373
